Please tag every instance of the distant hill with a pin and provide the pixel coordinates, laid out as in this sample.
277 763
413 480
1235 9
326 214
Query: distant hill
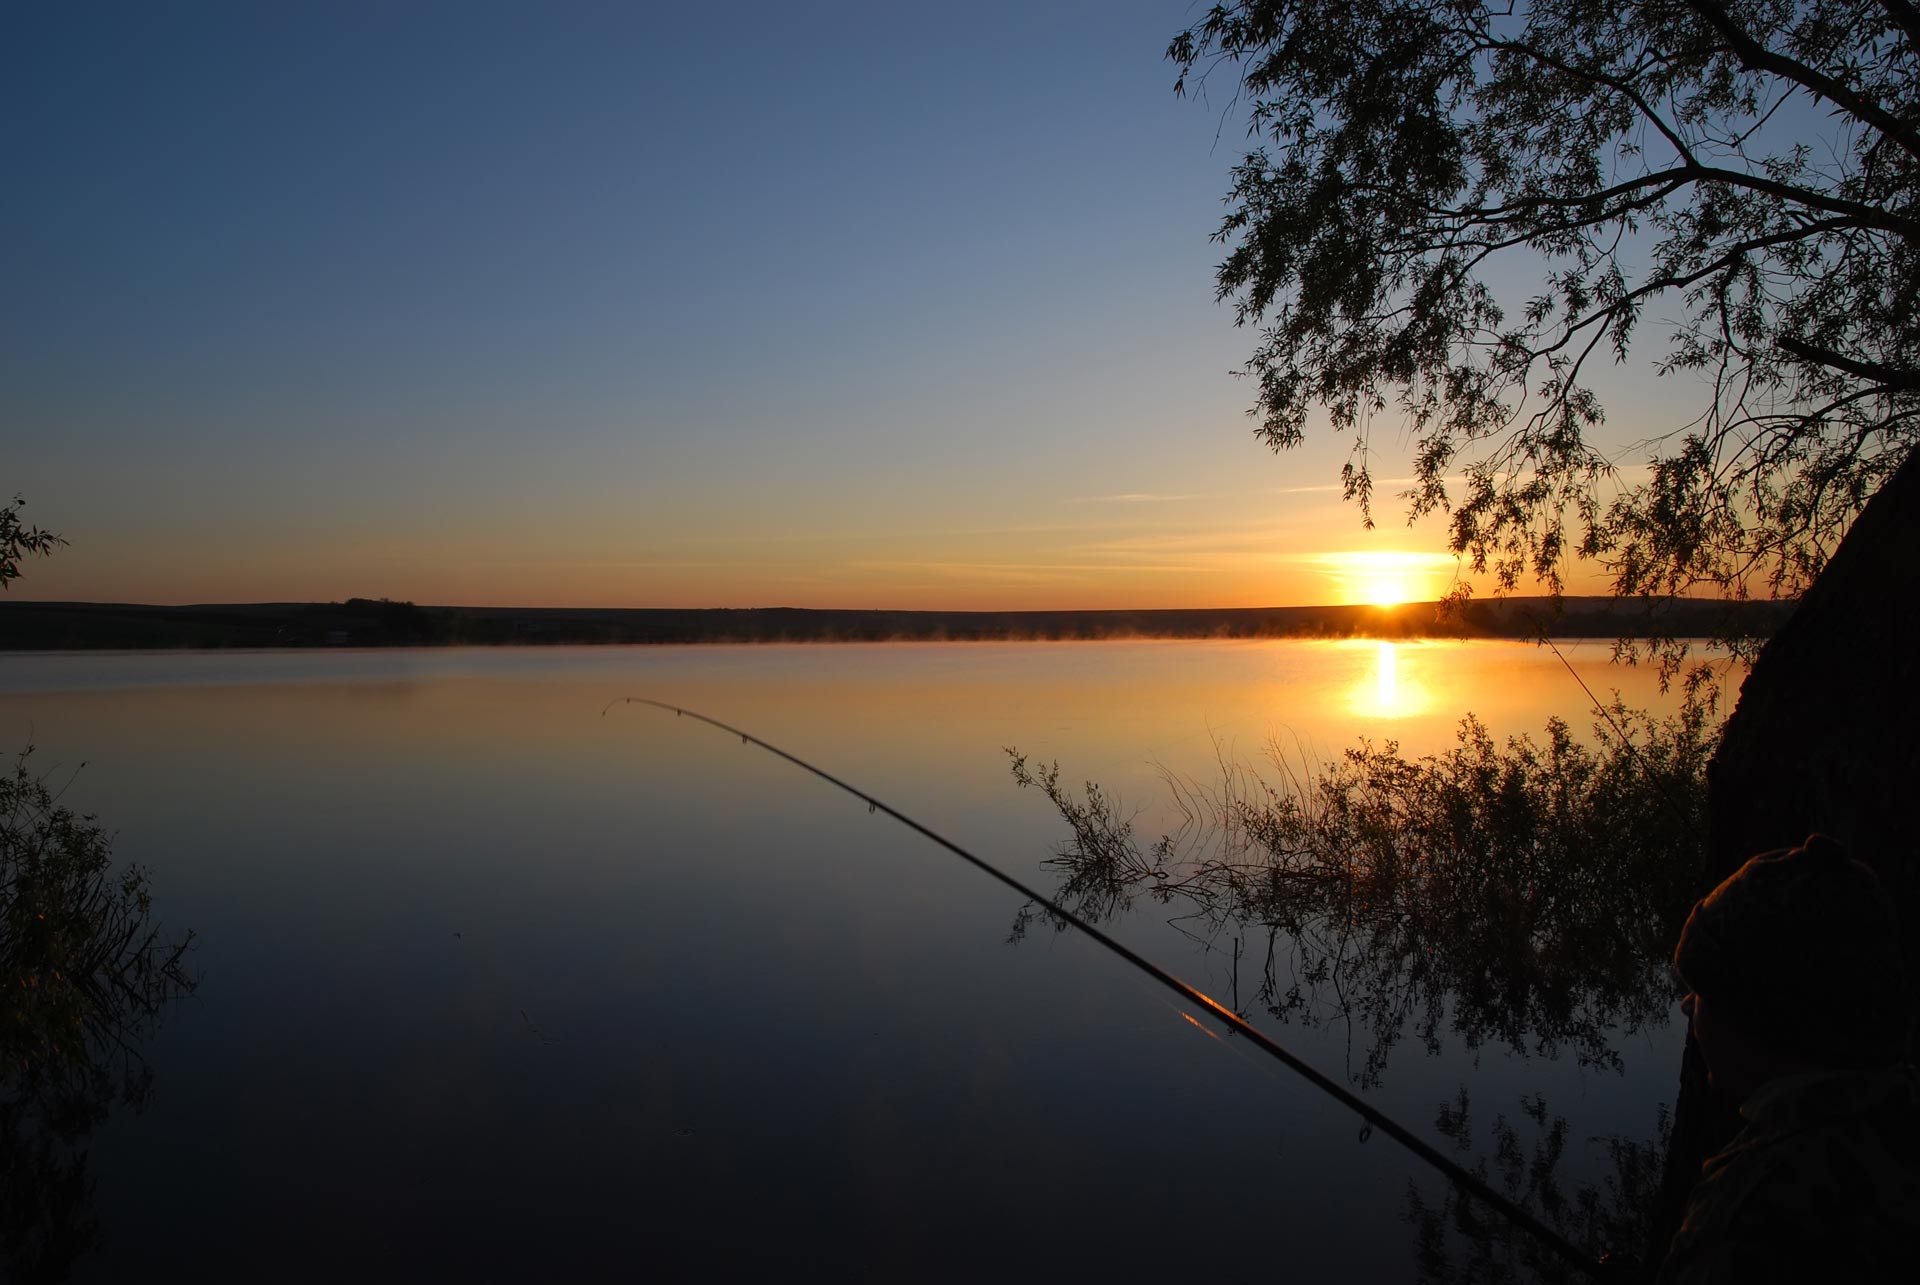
365 622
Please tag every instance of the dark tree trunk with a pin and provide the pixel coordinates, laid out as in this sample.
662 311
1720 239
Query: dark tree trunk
1822 738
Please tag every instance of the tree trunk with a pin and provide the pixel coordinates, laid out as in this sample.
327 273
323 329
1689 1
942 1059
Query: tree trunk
1822 738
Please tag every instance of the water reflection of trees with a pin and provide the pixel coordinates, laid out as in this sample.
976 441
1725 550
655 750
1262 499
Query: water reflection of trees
1523 893
1460 1242
85 972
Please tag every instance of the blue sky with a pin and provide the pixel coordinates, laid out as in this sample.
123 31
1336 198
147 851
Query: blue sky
634 305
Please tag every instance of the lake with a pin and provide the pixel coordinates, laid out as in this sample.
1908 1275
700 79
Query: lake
498 982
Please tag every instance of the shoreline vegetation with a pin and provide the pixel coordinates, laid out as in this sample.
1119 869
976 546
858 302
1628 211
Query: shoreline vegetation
369 622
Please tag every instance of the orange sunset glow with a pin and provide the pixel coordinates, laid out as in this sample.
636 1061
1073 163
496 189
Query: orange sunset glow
356 368
1386 577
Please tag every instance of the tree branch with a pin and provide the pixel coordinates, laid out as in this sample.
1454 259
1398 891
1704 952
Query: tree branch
1726 257
1865 215
1671 180
1905 16
1893 376
1758 57
1612 82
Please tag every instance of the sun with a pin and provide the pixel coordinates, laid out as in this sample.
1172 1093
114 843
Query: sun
1386 591
1387 577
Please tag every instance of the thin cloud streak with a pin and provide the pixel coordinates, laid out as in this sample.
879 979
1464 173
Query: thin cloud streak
1026 569
644 564
1212 540
1347 559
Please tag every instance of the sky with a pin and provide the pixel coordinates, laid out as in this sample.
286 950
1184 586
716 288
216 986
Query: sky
848 305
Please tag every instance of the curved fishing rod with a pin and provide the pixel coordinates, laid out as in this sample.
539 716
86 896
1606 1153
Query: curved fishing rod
1460 1176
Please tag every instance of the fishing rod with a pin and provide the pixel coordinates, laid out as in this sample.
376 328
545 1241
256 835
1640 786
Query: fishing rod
1460 1176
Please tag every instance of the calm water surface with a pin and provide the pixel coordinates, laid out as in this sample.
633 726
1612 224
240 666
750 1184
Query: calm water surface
495 985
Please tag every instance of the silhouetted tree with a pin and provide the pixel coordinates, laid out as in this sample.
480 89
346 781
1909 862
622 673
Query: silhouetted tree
18 540
1745 171
1523 894
1747 167
1461 1244
84 972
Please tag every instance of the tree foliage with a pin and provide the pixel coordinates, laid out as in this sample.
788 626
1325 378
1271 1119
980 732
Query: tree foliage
18 540
1738 175
1520 894
84 973
1458 1244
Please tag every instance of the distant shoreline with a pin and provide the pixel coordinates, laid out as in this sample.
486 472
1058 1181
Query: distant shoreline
362 622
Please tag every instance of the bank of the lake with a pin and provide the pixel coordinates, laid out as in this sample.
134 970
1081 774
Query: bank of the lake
373 622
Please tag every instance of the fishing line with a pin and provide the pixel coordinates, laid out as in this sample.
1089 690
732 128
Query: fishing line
1626 741
1375 1118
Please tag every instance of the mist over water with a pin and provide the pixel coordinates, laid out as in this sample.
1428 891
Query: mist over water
495 982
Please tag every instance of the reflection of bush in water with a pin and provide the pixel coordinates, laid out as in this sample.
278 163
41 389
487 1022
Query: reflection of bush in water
84 972
1524 893
1460 1241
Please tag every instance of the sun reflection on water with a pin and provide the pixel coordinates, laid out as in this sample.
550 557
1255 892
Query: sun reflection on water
1388 694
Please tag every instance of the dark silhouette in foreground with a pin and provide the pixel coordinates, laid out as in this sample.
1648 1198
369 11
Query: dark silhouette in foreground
19 540
85 974
1800 1010
1820 740
1519 896
1457 1241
